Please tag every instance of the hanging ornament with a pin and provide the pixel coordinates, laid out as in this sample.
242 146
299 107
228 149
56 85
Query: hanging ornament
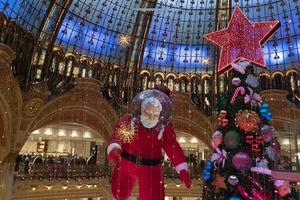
255 142
242 39
247 120
235 198
232 139
282 187
267 133
241 161
216 140
233 180
264 111
222 120
237 92
236 81
219 182
207 172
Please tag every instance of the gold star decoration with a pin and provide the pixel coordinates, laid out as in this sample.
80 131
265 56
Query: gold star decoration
126 133
219 182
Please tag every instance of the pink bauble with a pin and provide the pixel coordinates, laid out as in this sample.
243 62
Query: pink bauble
241 161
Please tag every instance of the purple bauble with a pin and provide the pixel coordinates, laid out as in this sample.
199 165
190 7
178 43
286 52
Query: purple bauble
241 161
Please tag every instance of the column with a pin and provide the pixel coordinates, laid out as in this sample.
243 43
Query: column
6 180
135 54
6 165
223 14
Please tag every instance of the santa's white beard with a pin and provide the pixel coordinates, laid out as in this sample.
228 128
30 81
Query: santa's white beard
148 123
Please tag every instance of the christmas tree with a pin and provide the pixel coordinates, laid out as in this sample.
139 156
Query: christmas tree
245 149
243 143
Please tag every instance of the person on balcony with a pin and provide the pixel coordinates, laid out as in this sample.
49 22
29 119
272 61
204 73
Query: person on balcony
136 147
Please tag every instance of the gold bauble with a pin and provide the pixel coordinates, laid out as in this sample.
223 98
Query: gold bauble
247 120
126 133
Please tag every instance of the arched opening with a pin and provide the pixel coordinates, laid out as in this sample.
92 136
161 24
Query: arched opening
63 151
264 82
277 81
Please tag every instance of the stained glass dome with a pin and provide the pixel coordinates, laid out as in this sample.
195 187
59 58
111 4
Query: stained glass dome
173 39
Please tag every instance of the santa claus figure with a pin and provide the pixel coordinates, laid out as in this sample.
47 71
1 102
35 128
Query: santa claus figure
136 146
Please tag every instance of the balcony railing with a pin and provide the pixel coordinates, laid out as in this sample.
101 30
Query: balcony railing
57 171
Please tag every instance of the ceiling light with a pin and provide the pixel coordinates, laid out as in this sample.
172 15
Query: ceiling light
206 61
61 132
182 140
78 186
87 134
194 140
89 186
36 132
65 187
49 187
74 134
48 131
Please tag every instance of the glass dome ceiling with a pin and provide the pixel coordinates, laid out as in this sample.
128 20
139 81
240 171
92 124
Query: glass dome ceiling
174 41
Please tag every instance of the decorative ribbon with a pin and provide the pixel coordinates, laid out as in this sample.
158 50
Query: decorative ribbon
219 157
253 98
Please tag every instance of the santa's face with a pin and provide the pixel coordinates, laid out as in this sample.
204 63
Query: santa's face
150 112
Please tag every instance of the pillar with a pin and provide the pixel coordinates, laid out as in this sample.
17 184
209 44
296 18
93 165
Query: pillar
6 164
135 54
223 14
6 180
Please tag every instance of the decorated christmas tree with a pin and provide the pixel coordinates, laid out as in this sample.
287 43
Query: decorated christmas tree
245 149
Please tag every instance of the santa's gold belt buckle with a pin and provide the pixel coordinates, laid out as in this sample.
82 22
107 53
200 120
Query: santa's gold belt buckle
138 161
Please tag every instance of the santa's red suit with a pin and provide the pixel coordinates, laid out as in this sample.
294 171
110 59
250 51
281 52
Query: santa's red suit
139 154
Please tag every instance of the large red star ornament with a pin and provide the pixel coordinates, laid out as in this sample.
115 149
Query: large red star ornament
242 40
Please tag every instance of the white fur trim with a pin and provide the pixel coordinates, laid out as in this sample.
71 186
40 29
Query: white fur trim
113 146
181 166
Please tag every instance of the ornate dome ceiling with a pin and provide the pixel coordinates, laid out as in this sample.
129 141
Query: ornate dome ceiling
174 41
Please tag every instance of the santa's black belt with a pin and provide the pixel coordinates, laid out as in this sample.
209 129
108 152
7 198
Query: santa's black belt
139 160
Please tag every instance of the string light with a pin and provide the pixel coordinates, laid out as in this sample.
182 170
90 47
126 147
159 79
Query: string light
242 39
49 187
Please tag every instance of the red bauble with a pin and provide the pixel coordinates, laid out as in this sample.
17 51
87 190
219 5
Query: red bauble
222 120
241 161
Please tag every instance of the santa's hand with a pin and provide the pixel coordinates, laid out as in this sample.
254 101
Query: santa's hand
114 155
185 178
